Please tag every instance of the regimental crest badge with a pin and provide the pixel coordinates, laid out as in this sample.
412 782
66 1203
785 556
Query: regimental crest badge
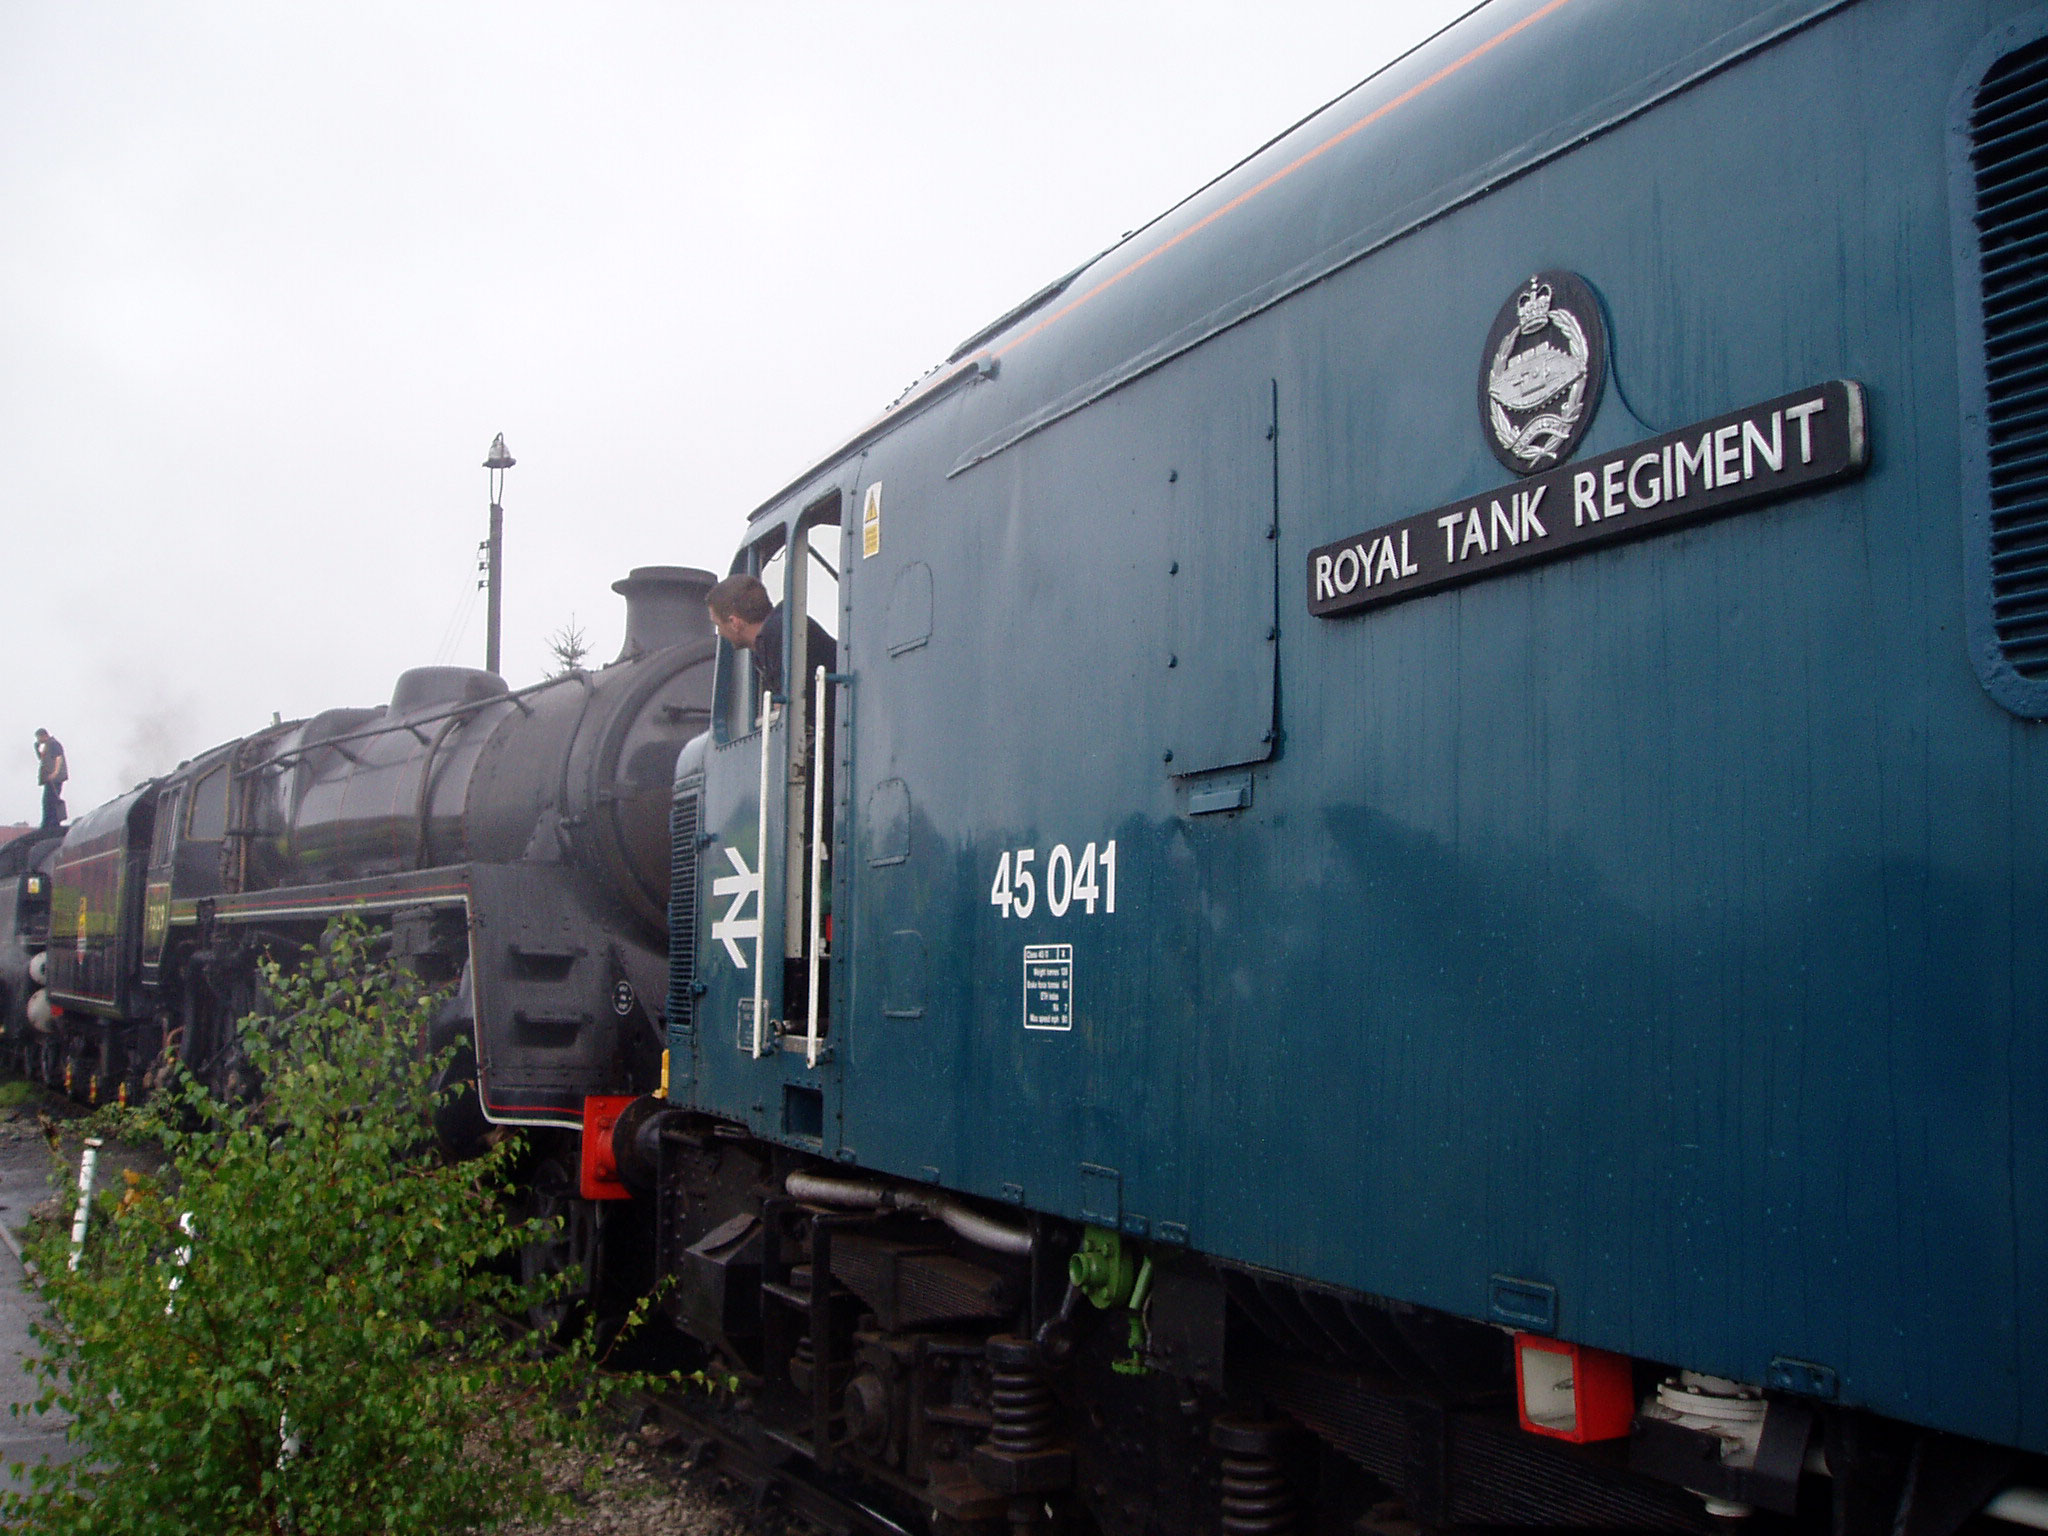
1542 373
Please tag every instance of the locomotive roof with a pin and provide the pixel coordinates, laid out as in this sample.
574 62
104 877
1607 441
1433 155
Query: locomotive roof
1510 85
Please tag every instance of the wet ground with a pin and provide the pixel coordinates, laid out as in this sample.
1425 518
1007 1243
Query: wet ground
26 1171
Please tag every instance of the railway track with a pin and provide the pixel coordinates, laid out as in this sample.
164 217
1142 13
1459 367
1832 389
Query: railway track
768 1473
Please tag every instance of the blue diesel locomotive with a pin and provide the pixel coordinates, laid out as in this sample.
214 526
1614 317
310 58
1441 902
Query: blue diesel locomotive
1415 895
1411 900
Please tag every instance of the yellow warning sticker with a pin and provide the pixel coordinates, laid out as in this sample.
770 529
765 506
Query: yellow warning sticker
871 522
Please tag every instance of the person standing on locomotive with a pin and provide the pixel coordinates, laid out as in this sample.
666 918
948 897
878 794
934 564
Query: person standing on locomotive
51 772
746 619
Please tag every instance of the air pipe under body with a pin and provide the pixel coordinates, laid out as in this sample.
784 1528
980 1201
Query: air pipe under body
861 1194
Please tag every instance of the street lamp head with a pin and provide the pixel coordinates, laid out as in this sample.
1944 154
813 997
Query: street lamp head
499 458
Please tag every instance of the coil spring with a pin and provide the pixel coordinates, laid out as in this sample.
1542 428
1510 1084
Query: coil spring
1256 1498
1020 1402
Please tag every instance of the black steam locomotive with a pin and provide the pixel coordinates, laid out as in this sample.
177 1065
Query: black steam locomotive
511 841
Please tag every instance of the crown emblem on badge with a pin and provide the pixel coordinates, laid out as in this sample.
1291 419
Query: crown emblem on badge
1532 307
1535 390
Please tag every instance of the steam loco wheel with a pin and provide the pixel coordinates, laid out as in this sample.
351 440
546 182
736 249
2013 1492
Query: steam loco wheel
215 1045
199 1036
566 1251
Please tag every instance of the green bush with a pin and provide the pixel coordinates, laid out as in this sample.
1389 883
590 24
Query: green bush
329 1349
16 1093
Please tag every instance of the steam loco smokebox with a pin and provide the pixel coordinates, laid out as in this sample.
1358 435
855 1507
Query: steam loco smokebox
664 607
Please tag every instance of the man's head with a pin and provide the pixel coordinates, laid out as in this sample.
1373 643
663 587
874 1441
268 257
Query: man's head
41 735
739 607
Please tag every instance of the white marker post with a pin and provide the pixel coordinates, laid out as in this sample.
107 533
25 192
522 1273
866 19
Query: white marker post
180 1259
88 1170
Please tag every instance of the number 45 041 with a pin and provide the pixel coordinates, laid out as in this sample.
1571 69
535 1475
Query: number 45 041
1069 881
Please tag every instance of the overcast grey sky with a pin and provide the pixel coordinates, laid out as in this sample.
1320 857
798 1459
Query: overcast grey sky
271 276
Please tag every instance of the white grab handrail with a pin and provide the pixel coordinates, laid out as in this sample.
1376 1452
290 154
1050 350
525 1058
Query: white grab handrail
817 863
761 858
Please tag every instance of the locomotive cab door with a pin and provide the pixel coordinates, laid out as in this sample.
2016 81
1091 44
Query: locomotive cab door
185 855
812 648
764 1015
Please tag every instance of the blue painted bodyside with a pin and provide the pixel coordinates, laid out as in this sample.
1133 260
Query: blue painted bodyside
1666 925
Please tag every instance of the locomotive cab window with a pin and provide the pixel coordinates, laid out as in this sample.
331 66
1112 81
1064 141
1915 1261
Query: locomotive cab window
207 820
739 681
168 809
193 834
773 572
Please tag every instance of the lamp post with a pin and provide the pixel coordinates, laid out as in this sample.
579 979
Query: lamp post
493 550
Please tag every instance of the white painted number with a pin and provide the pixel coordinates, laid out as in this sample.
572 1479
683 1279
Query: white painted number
999 893
1026 895
1059 880
1085 888
1090 879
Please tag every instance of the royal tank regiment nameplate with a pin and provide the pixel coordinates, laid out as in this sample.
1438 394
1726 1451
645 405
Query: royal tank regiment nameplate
1794 443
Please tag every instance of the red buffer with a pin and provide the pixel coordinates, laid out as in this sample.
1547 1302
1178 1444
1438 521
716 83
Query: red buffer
601 1179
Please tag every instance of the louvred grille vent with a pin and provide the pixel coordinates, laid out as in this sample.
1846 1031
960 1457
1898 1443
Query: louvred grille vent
2009 162
682 905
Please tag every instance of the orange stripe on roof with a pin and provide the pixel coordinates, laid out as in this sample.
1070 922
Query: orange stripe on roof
1289 169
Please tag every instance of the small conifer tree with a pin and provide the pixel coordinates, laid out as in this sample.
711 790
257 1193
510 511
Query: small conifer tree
569 647
302 1323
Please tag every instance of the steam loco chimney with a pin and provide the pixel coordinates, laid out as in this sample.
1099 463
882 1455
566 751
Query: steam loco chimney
664 607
